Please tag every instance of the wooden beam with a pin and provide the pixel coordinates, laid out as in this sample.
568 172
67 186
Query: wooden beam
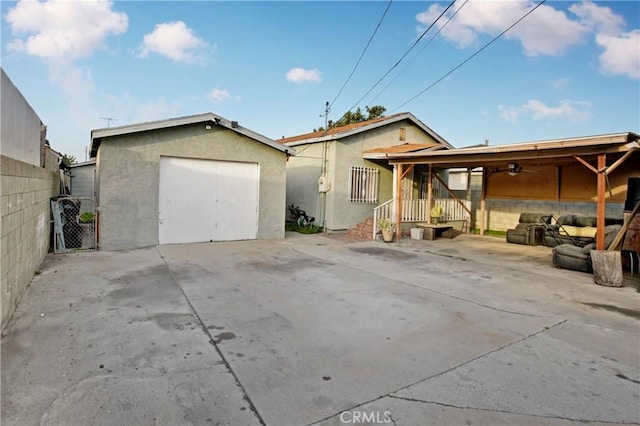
587 165
620 160
406 172
600 210
452 194
399 202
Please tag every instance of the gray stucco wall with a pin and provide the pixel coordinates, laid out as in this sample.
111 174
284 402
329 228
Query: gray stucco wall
24 229
128 179
304 169
303 172
21 127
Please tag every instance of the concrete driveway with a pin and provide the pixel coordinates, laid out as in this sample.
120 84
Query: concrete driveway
311 330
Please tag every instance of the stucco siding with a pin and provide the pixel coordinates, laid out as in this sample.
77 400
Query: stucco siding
128 168
303 172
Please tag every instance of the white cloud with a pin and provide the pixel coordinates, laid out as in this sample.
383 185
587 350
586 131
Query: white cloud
546 31
601 19
174 40
219 95
621 54
63 30
300 75
574 111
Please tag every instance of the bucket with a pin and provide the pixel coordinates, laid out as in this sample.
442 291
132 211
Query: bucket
417 233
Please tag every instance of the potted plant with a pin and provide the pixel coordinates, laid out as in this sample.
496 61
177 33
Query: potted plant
436 212
387 227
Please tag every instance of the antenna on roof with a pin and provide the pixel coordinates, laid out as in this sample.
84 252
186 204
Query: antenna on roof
109 120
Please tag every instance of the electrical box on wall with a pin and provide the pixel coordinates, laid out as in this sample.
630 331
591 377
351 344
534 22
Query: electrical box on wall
323 184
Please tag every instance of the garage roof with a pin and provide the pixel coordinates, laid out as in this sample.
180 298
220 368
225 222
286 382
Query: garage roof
97 135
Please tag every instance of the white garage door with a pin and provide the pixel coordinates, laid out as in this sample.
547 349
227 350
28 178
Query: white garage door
204 200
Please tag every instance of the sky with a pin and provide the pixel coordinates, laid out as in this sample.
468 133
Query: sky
567 69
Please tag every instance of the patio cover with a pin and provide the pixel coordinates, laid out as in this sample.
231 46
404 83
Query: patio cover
601 154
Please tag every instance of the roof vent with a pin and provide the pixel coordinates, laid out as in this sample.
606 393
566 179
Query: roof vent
234 124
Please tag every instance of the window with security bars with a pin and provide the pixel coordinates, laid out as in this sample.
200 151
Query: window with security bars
363 184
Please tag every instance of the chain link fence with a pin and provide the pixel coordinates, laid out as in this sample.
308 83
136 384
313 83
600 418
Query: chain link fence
74 224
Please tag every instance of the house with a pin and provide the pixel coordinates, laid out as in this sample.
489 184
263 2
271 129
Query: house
83 177
341 174
188 179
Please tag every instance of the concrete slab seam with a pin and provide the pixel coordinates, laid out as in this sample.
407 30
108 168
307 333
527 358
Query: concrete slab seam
431 290
442 373
504 411
213 342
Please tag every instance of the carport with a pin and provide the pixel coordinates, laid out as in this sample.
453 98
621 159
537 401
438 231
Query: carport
563 169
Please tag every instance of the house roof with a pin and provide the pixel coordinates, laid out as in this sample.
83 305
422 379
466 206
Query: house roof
91 162
97 135
557 149
335 133
381 153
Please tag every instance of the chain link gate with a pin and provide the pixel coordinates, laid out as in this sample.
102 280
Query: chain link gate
74 224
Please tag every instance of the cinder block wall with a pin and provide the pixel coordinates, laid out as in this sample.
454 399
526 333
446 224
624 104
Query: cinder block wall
24 228
503 214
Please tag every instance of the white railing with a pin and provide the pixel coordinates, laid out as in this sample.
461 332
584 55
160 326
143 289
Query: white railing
417 211
383 211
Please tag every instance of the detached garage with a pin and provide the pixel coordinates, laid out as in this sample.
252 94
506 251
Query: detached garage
191 179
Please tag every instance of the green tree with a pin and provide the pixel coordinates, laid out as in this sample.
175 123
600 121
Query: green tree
69 159
376 111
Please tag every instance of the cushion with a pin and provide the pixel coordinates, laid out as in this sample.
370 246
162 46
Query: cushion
586 221
534 218
587 249
517 236
567 219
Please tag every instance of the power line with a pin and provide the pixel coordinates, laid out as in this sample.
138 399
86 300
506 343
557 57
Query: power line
418 54
470 57
362 54
404 55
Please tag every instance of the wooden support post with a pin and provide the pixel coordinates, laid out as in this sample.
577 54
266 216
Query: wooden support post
429 194
469 169
483 203
600 211
399 203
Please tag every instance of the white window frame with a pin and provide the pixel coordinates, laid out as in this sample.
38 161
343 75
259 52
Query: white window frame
363 184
